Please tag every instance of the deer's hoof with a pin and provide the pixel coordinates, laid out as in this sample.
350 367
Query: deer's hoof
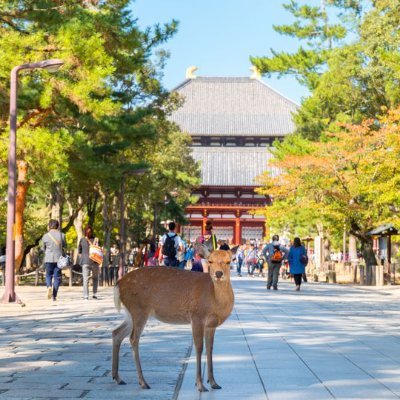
201 387
119 381
216 386
144 385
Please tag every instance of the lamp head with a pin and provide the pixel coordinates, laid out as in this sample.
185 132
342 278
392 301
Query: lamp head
51 65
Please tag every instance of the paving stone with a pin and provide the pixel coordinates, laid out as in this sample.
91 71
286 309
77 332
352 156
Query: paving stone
328 341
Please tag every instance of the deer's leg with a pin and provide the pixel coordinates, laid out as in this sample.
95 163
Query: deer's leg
198 338
138 326
210 333
118 335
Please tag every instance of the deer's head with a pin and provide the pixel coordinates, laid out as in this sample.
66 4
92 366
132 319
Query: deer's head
219 263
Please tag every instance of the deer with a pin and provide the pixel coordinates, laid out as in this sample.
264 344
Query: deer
204 300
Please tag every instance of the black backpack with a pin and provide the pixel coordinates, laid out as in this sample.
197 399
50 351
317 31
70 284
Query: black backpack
169 246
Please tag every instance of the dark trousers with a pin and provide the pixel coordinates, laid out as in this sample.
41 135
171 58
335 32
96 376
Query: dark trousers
53 277
273 275
239 266
297 279
170 262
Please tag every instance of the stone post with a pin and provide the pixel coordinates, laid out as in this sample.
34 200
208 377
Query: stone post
379 275
362 275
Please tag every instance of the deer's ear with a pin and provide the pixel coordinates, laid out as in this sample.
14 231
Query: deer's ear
234 250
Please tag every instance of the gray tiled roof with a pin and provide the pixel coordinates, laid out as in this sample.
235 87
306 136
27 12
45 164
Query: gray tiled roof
232 166
233 107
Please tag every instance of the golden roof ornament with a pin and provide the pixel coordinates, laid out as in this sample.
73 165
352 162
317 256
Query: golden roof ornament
256 72
190 72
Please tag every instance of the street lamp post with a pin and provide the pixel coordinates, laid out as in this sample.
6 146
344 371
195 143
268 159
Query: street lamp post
9 295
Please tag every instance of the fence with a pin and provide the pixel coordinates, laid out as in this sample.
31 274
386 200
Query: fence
108 275
333 272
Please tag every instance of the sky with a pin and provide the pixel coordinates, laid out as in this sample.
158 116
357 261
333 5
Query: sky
219 36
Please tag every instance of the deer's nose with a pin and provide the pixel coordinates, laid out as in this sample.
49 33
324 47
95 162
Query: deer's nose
219 274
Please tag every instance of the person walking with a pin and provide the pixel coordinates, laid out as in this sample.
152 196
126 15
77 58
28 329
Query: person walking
53 243
274 254
251 259
181 256
189 256
239 260
88 265
298 260
209 238
171 244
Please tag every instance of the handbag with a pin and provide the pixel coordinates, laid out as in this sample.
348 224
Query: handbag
304 259
64 260
95 251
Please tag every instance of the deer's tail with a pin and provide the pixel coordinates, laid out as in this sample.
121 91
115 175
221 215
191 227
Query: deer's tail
117 299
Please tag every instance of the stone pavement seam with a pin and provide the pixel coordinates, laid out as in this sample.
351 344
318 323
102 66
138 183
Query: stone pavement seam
251 353
182 373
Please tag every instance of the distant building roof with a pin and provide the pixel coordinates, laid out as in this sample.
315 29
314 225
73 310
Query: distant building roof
232 166
233 107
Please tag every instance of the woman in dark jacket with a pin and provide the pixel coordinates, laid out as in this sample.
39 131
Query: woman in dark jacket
87 264
297 261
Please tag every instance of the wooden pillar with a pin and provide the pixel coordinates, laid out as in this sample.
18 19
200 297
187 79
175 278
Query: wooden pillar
238 229
203 227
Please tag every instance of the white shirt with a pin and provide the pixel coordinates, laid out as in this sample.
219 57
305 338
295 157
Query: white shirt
177 239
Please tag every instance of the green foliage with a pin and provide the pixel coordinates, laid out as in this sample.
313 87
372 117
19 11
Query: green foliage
351 179
100 116
351 66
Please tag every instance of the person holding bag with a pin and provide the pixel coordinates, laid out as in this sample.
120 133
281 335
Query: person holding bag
90 259
53 243
298 260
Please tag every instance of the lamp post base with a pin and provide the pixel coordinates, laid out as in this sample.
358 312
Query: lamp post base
9 297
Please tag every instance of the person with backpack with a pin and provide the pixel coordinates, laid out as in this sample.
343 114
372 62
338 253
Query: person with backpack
274 253
298 261
171 244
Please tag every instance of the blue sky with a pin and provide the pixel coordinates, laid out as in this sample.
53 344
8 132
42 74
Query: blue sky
219 36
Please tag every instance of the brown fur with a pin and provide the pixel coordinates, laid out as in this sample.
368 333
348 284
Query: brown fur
178 297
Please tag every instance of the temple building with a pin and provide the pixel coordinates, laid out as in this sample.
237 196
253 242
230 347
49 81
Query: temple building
233 122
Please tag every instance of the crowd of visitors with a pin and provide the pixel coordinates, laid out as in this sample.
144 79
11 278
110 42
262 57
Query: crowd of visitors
271 260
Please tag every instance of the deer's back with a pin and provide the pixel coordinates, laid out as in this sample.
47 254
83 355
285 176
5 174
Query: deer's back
170 294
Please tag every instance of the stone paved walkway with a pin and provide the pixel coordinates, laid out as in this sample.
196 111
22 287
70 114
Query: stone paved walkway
325 342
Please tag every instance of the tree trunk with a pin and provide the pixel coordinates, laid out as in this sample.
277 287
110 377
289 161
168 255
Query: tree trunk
352 248
107 226
57 203
92 208
367 250
20 203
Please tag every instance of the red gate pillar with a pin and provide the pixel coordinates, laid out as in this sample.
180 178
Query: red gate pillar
203 228
238 230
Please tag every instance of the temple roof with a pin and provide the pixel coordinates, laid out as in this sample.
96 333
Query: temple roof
232 166
233 107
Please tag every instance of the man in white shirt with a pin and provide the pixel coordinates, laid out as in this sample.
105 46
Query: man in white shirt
171 244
